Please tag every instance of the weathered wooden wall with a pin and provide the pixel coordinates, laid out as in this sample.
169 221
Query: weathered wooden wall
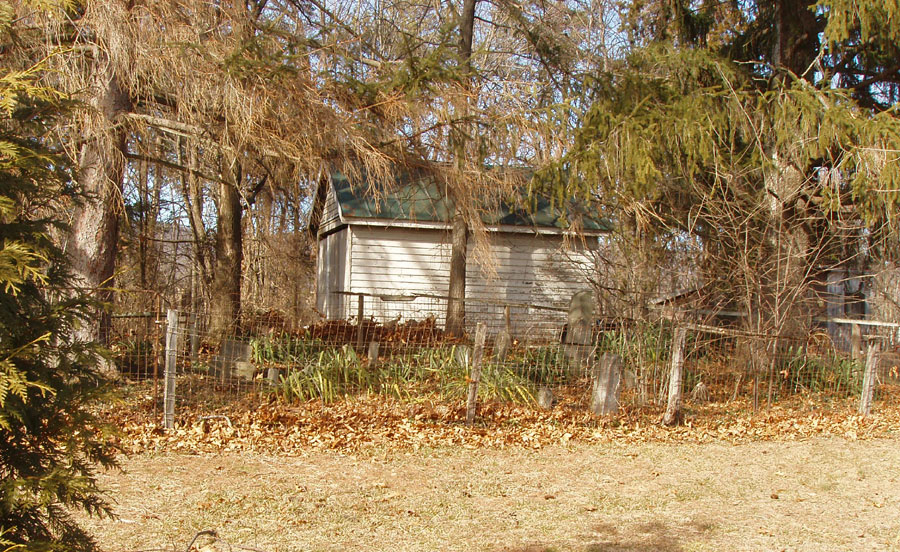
332 274
524 268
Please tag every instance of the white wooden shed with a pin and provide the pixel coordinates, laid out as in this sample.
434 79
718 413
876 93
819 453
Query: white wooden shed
394 247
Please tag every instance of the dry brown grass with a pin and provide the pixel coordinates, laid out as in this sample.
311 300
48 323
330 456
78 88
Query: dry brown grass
817 495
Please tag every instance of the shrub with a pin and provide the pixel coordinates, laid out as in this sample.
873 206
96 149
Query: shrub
49 441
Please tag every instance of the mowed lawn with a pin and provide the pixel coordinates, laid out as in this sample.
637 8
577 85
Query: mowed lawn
813 495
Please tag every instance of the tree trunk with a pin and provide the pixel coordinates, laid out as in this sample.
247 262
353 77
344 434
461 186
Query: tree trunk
456 306
459 239
225 290
193 196
796 42
94 232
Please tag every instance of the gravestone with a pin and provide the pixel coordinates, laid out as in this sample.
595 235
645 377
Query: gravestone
545 398
579 325
273 375
502 345
605 394
462 355
233 361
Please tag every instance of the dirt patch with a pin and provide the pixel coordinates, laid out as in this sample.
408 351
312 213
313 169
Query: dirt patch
817 495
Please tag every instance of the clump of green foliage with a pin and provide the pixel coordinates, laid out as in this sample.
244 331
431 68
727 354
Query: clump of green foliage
50 442
334 372
829 373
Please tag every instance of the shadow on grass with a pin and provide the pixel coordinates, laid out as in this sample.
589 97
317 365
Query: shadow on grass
650 537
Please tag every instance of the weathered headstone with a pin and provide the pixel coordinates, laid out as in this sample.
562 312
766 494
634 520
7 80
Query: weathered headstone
605 394
700 393
373 353
233 360
502 345
273 375
461 355
545 398
579 325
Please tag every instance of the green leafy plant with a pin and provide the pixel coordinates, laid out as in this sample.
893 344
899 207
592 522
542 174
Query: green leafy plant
830 373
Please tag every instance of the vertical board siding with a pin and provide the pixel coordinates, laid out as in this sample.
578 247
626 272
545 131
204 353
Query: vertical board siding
331 274
525 269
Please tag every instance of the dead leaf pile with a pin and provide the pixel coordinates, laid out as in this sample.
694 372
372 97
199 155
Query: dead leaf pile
261 424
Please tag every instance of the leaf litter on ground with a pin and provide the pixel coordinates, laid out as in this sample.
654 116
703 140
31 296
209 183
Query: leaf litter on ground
260 423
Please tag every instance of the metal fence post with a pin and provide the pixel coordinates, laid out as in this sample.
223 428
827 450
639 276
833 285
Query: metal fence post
171 357
360 310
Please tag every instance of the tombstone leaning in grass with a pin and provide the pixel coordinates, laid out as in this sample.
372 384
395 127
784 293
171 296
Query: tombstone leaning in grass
578 333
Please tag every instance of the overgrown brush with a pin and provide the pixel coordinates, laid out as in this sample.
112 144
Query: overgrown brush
829 373
443 371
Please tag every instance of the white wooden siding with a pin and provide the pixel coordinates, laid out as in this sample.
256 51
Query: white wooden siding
330 215
527 269
332 274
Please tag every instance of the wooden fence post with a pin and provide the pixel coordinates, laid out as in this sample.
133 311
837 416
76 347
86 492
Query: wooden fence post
856 341
868 386
673 407
171 358
475 375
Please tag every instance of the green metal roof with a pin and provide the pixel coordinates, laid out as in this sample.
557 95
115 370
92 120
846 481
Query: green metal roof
418 198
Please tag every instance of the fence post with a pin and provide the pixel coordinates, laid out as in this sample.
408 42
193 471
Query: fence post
359 321
475 375
195 337
673 407
868 386
171 358
856 341
156 353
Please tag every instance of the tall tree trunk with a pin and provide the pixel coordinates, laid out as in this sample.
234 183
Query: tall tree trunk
94 232
779 287
459 238
143 192
456 306
225 290
192 191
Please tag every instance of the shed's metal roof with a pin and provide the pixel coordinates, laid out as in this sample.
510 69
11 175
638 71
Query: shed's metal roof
418 198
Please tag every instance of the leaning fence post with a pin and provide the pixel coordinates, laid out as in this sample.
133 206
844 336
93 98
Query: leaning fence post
855 341
673 407
171 357
359 321
868 386
475 375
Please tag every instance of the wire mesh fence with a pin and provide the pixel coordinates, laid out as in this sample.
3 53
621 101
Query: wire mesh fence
396 346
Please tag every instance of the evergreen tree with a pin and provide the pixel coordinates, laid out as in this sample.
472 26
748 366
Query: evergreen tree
49 441
748 138
765 131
